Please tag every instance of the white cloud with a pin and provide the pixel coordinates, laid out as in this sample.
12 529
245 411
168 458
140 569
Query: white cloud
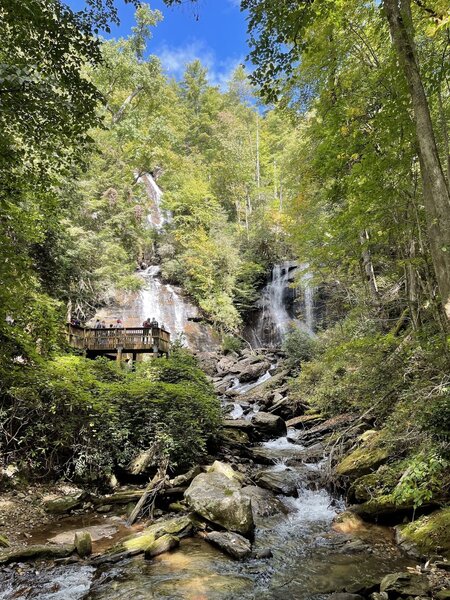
174 60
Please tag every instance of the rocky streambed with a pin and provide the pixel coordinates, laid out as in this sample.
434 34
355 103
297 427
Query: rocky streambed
258 521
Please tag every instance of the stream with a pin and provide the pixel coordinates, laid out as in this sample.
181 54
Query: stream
310 559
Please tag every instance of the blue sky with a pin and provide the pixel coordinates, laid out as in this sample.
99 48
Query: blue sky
212 30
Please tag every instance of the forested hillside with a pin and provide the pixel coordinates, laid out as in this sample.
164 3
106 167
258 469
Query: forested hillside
327 153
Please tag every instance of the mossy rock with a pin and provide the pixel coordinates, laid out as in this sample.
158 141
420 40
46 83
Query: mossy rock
235 436
430 534
363 460
4 542
83 543
378 483
163 544
179 527
38 552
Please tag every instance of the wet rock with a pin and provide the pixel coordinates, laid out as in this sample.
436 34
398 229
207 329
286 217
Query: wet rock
4 542
165 543
83 543
264 502
37 552
280 482
268 424
404 585
305 421
444 565
104 508
220 500
348 522
345 596
233 544
252 371
264 553
63 504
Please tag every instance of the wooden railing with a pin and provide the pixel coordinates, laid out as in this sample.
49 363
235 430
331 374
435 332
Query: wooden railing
126 339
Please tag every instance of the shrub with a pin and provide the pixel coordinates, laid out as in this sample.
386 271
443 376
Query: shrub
299 347
231 344
83 418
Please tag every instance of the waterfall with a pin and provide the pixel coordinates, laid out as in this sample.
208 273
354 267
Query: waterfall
163 303
157 217
283 306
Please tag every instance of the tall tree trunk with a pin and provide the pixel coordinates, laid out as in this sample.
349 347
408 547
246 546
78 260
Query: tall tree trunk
435 190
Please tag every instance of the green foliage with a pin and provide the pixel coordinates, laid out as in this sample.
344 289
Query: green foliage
83 418
423 480
231 343
299 347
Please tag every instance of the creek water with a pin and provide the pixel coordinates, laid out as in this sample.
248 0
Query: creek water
310 558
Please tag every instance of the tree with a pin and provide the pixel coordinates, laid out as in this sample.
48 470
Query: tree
435 187
281 32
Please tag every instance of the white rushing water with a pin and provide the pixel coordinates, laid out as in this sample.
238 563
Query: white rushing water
162 302
284 307
157 217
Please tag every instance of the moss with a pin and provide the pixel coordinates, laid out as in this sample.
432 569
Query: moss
430 534
379 483
363 460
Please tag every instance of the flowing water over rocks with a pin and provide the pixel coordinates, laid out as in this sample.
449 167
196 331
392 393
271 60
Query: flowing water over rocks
296 554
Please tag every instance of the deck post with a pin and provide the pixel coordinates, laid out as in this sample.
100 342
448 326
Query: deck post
119 355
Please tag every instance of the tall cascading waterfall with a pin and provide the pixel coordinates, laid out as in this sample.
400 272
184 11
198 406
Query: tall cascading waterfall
165 302
283 306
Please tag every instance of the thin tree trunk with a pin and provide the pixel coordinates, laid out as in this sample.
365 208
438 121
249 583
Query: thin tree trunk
258 167
368 267
435 190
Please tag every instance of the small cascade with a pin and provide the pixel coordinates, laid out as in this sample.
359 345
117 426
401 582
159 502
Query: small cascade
284 306
162 302
157 217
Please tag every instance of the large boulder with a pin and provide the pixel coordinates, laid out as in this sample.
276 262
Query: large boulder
225 365
219 499
404 585
233 544
365 459
268 424
251 371
280 482
430 534
264 502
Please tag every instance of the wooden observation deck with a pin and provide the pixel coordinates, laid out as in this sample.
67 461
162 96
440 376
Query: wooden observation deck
118 341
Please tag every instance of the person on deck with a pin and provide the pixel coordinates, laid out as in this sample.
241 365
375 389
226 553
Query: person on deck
154 323
103 325
146 325
98 324
119 324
